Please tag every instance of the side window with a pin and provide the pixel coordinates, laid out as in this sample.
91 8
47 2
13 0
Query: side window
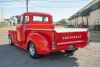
26 20
45 19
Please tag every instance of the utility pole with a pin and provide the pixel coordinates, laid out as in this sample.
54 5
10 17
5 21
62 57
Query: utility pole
27 5
1 15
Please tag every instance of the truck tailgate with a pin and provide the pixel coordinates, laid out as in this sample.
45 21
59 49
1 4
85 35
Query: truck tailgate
78 39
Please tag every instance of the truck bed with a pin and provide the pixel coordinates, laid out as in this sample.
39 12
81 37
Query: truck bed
60 29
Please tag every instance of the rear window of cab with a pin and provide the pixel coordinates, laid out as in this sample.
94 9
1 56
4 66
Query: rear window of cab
40 19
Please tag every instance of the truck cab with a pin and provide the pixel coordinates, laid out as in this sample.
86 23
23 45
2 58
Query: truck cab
37 34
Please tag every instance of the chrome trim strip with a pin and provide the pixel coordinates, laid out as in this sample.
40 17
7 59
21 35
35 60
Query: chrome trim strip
39 29
69 42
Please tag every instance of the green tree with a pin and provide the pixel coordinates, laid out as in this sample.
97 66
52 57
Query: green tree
18 18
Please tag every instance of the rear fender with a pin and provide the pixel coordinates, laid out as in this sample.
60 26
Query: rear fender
41 43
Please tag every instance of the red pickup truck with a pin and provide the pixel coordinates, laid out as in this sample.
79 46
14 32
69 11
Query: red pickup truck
37 34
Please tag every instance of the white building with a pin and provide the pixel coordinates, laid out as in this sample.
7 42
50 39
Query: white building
13 20
88 16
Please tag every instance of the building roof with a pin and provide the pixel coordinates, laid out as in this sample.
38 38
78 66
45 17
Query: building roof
94 5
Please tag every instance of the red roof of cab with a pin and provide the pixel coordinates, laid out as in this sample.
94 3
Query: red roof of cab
36 13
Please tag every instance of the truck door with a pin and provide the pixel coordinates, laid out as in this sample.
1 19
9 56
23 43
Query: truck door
21 33
19 28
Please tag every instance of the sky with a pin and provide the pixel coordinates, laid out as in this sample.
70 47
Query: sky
59 9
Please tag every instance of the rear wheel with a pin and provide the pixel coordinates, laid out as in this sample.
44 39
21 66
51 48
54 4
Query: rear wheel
70 51
10 41
32 51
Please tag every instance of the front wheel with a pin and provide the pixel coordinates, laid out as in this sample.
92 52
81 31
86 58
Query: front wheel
32 51
10 41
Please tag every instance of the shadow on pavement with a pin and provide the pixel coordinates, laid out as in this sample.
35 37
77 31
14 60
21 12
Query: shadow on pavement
11 56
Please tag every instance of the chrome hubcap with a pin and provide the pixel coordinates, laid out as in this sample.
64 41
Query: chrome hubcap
32 49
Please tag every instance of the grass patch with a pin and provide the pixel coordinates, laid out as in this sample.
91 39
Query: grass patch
1 26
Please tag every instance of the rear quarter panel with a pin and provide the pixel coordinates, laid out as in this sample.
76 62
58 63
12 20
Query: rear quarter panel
42 40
